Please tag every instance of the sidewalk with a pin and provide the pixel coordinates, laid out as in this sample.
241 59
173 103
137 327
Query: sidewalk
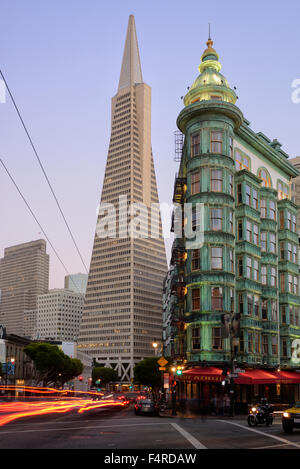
187 414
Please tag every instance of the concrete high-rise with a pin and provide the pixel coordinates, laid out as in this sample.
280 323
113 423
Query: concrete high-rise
123 303
58 315
24 274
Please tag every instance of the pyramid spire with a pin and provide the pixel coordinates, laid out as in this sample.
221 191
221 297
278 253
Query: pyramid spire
131 71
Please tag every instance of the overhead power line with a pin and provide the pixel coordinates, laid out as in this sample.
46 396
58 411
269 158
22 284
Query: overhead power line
44 172
37 221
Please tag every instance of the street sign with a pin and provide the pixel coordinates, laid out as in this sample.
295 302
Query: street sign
166 380
162 361
162 368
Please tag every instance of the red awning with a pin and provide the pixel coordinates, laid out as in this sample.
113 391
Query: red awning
250 377
267 377
289 377
258 377
209 375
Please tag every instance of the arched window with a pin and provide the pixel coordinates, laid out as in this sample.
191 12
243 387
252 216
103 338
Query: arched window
265 177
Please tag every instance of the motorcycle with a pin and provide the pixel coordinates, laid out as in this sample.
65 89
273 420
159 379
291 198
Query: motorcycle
258 415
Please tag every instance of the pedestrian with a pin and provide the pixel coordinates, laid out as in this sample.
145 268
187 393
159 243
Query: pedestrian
214 405
221 405
226 404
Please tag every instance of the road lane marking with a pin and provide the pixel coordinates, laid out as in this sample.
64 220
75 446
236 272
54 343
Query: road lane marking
272 446
196 443
283 440
81 428
63 422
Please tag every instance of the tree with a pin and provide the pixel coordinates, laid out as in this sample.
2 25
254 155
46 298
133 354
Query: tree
106 375
147 372
52 365
72 368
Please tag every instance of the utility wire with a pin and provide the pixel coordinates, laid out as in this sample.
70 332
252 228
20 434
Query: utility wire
41 165
32 213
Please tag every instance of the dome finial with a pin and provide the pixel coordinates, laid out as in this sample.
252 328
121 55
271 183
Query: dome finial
210 41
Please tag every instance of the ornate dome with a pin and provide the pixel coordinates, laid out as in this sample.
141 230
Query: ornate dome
210 84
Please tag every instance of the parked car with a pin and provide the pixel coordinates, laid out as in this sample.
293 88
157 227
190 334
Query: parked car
291 418
146 406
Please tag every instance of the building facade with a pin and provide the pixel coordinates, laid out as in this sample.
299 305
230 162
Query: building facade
295 187
236 264
76 282
58 315
24 274
30 317
122 313
12 350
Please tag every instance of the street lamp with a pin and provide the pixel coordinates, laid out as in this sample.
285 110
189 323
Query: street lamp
155 346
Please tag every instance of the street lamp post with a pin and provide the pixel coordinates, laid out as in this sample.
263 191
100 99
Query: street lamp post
233 349
173 392
155 346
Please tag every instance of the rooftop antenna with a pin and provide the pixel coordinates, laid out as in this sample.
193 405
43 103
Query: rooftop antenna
209 38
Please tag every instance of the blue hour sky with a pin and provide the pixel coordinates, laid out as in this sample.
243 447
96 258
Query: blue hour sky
62 60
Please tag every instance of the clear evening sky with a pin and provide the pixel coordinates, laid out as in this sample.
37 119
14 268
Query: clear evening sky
62 60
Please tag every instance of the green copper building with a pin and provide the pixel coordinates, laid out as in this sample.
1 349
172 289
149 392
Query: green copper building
232 294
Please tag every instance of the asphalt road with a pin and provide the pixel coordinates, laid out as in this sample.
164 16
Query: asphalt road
121 429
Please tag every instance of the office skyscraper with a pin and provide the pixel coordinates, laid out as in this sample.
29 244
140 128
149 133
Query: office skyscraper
24 274
123 303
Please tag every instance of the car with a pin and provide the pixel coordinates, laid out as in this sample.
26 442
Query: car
123 400
146 406
291 418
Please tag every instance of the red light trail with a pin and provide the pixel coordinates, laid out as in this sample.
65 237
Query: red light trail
19 409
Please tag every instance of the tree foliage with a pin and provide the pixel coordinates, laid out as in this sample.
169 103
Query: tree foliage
51 364
106 375
147 372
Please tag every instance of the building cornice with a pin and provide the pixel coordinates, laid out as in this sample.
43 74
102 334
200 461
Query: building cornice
265 149
211 106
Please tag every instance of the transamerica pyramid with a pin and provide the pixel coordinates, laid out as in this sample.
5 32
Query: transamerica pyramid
123 304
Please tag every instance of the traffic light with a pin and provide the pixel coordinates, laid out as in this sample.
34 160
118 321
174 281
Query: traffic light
179 371
80 378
